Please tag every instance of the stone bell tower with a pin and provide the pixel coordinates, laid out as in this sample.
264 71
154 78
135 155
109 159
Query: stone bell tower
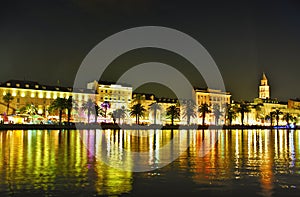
264 88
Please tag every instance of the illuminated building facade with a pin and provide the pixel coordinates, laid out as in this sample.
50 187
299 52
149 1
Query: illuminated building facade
264 88
262 107
152 117
116 95
294 103
41 96
212 97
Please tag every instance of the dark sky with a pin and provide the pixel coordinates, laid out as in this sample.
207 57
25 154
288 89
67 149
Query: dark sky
46 40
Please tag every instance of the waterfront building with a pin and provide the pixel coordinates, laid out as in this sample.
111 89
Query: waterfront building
150 116
212 97
41 96
294 103
264 88
118 96
262 106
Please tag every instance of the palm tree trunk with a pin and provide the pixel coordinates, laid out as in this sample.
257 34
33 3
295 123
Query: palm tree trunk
271 121
60 116
89 113
7 108
69 116
242 118
154 116
203 119
172 120
96 117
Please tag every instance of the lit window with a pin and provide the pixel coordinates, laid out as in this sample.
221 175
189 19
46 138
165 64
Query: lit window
32 94
14 93
36 86
23 94
17 85
41 95
48 95
7 84
27 85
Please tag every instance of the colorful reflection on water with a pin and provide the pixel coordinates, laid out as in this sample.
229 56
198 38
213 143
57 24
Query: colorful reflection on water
217 162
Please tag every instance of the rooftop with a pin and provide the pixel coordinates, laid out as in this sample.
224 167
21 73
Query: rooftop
22 84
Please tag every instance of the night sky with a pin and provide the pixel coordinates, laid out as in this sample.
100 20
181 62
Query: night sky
46 40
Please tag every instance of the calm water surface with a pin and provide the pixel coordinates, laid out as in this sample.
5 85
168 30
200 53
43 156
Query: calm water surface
68 163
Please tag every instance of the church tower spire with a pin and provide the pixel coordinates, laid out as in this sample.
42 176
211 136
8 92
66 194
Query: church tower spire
264 88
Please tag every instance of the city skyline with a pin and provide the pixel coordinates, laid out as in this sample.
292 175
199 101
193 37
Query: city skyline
47 41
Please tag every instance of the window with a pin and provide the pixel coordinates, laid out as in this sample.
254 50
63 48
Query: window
27 85
17 85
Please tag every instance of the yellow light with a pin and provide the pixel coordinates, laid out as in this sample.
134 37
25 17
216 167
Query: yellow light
40 95
48 95
23 94
32 94
40 111
14 93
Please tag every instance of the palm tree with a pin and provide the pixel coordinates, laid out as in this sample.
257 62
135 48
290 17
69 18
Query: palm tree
155 107
90 107
288 117
257 108
60 105
105 106
270 117
277 113
118 114
114 115
69 107
242 109
203 110
230 113
7 98
189 110
138 111
29 109
173 112
121 113
217 113
98 111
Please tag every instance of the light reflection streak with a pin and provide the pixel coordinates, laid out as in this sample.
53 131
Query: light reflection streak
43 160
